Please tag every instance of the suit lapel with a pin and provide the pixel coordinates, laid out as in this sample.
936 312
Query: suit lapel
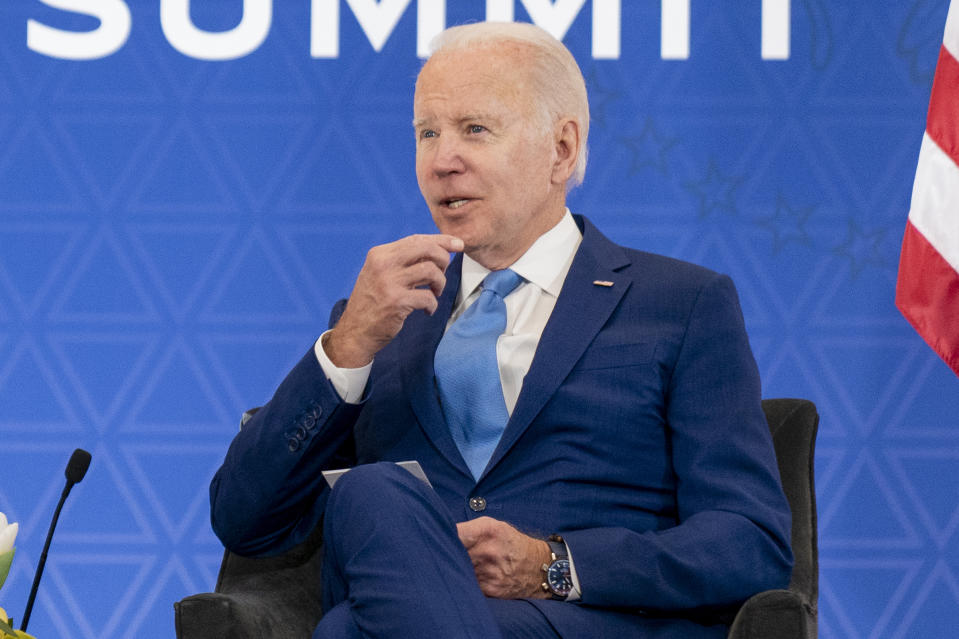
581 310
420 336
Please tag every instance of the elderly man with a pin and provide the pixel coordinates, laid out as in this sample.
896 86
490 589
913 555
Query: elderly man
588 416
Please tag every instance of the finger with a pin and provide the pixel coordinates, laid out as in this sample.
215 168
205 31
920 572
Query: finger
423 274
422 299
436 247
466 534
412 249
449 243
472 532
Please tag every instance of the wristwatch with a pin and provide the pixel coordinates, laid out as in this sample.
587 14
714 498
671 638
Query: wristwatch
557 579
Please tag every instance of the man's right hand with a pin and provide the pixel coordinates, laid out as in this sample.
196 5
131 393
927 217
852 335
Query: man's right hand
396 279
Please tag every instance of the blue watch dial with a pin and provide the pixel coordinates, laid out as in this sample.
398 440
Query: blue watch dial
558 577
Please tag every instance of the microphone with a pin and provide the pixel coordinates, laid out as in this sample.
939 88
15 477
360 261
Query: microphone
75 471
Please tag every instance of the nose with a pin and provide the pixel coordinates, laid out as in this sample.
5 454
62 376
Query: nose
447 157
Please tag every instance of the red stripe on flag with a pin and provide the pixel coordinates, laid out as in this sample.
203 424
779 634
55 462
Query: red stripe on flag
927 294
942 122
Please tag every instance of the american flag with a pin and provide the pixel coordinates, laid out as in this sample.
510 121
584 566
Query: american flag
927 292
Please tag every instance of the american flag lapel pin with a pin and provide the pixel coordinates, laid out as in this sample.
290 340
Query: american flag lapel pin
605 283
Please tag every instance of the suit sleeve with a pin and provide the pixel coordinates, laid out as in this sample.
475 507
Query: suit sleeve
732 534
270 493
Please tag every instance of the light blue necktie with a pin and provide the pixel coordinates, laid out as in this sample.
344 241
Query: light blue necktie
467 373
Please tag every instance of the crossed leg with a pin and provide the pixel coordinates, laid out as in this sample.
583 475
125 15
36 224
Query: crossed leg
394 567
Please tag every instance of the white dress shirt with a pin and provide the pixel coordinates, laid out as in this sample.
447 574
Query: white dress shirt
543 268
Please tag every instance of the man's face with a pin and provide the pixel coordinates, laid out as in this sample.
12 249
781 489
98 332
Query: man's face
484 162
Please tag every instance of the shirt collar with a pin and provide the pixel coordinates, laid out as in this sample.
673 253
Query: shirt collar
544 263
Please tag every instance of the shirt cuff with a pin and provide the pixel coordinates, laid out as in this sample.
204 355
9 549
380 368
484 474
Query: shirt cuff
348 382
575 594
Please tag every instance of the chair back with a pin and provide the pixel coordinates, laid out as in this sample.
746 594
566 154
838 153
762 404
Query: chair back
793 424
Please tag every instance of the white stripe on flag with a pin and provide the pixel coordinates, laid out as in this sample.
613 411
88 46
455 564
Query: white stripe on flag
950 38
935 201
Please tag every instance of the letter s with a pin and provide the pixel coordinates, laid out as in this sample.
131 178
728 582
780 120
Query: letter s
114 29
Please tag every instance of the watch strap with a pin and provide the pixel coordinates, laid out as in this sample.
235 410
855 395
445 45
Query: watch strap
558 548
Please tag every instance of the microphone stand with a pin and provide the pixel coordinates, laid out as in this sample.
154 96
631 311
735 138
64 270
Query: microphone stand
76 469
43 557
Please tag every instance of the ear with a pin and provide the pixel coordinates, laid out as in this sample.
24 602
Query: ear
566 145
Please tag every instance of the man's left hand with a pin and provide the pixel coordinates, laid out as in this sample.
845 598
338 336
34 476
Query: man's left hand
508 564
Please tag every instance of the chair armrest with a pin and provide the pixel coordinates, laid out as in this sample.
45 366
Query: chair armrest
263 598
281 611
770 615
215 615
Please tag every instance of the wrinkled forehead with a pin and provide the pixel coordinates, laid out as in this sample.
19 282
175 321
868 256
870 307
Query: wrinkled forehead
499 72
508 60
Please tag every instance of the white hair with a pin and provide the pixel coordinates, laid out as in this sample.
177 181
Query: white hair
556 79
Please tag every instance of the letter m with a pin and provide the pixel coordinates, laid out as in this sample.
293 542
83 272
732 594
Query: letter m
377 20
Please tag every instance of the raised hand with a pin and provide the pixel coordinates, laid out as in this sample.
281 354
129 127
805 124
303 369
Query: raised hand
396 279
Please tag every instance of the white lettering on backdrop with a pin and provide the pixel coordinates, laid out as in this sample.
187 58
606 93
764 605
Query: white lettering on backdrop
378 20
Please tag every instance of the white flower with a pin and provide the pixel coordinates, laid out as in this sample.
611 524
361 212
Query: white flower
8 533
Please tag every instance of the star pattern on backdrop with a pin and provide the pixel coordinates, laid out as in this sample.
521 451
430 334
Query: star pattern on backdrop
862 247
787 224
715 191
174 232
650 150
603 99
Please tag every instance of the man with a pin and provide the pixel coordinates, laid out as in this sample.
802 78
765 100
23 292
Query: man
629 488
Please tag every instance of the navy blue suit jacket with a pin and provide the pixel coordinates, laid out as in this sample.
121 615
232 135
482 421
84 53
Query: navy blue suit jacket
638 435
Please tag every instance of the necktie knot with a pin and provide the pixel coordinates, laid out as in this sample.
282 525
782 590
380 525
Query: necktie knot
502 282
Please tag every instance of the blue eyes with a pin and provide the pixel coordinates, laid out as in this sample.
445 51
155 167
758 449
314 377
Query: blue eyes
472 129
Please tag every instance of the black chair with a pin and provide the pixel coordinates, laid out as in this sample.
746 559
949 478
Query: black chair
279 597
790 613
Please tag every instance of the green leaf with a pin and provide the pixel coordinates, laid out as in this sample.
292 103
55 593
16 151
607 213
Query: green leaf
8 631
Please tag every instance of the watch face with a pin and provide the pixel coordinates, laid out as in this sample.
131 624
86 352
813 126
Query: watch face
557 577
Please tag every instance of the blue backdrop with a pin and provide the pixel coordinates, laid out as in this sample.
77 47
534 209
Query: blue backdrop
173 231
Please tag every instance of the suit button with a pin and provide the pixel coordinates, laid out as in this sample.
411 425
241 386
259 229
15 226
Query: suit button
477 504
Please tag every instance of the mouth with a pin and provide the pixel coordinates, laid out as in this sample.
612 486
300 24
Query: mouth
454 203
